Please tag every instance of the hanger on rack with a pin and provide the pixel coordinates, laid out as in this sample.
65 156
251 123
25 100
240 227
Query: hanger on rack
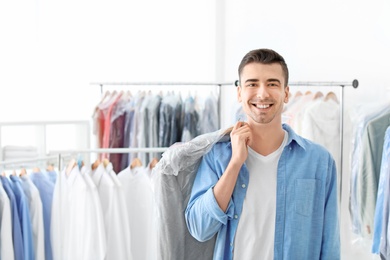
106 162
50 168
23 172
331 96
318 95
70 166
135 163
153 163
95 164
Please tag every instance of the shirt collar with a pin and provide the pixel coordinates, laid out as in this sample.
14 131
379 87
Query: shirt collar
292 136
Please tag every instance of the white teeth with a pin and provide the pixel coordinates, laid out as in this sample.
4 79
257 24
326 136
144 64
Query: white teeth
262 106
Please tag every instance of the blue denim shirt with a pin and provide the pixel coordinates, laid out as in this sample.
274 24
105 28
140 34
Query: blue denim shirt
307 225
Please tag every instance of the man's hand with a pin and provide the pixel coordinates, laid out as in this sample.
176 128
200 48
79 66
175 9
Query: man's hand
240 136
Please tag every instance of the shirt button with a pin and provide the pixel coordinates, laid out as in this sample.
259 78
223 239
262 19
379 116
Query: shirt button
231 244
236 216
243 186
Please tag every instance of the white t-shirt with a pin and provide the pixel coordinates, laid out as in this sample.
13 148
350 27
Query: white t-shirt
254 238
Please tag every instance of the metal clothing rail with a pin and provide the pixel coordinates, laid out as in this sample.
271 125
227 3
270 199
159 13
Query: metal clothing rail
354 84
68 153
218 84
101 84
22 162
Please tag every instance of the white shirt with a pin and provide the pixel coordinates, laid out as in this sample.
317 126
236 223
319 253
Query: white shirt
6 242
75 229
36 215
254 238
140 205
321 124
115 213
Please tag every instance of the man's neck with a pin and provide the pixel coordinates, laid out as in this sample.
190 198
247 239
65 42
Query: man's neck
266 139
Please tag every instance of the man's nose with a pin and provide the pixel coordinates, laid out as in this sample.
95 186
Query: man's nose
262 92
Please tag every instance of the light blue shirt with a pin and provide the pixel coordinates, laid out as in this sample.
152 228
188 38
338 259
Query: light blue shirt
16 229
307 225
382 202
24 217
52 176
46 189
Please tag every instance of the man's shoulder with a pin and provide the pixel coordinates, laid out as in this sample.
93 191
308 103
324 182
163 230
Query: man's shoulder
313 147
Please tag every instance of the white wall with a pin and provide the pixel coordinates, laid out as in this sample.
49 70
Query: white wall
50 51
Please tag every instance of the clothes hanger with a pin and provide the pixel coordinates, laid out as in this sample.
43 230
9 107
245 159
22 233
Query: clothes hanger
318 95
298 93
331 95
106 162
153 163
95 164
135 163
22 172
70 166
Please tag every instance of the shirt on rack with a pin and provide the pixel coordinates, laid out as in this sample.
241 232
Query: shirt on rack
170 120
105 114
36 215
368 179
137 188
115 217
191 120
385 171
46 188
17 237
379 244
24 217
75 229
52 176
117 134
209 121
363 114
129 122
6 247
137 125
321 124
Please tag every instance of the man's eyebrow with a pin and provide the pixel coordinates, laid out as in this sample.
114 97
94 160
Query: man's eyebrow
271 80
251 80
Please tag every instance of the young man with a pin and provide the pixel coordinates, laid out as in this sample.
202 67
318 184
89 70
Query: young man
267 193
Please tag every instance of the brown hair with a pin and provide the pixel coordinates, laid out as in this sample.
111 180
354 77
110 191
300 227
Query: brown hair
265 56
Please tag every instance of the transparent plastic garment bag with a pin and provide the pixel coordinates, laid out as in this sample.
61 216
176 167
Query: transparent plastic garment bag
173 178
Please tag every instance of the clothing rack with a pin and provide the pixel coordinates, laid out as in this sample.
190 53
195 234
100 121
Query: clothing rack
354 83
68 153
23 162
204 84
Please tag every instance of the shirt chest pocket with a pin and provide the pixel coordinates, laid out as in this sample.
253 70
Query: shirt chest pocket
307 192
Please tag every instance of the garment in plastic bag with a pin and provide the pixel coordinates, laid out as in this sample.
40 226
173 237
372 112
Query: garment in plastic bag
173 179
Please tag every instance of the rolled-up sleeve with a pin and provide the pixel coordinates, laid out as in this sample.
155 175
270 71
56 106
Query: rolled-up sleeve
203 215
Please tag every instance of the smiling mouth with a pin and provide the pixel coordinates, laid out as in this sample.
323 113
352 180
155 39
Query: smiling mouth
262 106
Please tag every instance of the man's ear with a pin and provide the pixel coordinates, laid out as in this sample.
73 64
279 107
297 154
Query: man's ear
287 93
239 99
